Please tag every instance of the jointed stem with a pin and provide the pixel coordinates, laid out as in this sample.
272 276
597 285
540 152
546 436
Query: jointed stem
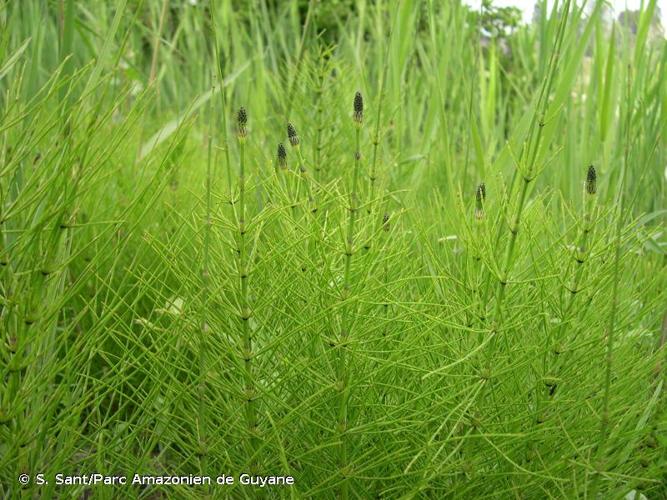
306 180
530 153
201 389
249 389
342 371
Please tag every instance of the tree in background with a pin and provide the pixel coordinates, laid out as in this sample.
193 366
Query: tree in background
630 20
497 22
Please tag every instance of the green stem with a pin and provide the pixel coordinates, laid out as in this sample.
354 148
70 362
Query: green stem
310 203
343 372
531 149
509 254
376 136
245 313
317 146
68 27
201 389
620 204
580 258
581 255
223 100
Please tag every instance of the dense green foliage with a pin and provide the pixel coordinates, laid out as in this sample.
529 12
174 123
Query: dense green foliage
424 292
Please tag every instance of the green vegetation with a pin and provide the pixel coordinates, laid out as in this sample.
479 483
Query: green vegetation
367 244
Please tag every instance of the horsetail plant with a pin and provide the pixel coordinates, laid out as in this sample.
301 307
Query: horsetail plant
302 176
479 215
526 167
324 68
365 382
580 254
250 390
581 249
202 416
346 320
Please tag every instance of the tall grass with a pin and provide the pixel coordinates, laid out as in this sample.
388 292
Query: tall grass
424 294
